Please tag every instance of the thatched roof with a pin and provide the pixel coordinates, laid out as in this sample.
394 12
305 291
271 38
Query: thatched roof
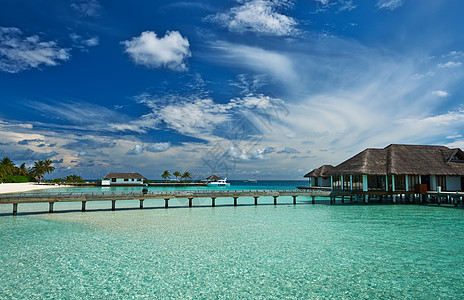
404 160
320 172
213 177
124 175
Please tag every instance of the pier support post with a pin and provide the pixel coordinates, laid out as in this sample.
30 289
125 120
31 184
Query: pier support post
166 202
275 200
256 200
15 209
394 199
113 205
141 203
366 199
235 201
343 199
213 201
83 205
313 200
190 202
294 200
50 207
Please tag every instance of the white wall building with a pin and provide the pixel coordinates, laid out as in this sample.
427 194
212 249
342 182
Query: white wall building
123 179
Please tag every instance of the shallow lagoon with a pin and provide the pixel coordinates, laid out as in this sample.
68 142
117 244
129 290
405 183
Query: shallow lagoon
264 251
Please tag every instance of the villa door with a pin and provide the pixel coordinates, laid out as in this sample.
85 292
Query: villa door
462 184
426 180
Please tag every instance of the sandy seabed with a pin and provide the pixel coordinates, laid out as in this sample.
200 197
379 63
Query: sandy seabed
6 188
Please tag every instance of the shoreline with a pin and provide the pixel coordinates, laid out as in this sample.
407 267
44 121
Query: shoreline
8 188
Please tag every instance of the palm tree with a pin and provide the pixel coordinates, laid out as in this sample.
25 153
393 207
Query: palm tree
23 170
3 173
8 166
48 168
41 168
166 174
38 169
177 174
186 175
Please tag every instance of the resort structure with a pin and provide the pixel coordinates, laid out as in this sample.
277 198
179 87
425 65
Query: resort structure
318 177
398 168
123 179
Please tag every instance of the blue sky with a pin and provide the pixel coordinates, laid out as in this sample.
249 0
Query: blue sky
261 89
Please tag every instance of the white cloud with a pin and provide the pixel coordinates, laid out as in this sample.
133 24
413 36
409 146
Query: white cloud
323 2
136 150
440 93
288 150
259 16
19 53
84 43
450 64
87 8
255 58
170 51
389 4
92 42
158 147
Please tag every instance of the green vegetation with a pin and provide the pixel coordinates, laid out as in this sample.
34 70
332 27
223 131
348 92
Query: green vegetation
177 174
167 175
186 175
10 173
73 178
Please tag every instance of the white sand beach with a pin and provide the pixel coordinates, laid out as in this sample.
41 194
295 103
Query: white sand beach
6 188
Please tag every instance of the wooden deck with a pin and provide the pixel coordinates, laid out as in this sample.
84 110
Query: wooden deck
51 198
353 196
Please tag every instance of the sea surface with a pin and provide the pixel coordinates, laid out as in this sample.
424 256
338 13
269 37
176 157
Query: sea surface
303 251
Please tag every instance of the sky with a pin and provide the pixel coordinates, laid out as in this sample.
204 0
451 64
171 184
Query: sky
257 89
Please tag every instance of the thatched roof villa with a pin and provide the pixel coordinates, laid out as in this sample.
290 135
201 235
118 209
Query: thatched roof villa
318 177
400 168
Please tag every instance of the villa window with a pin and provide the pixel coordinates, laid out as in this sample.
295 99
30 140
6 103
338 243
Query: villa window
126 179
413 180
376 182
357 183
113 179
441 181
337 182
400 182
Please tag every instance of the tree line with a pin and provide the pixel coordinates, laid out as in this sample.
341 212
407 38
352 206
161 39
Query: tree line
167 175
9 172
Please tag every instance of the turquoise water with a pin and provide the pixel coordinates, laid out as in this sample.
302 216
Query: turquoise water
265 251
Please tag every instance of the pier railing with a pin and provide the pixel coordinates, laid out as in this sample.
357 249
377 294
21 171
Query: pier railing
52 198
393 197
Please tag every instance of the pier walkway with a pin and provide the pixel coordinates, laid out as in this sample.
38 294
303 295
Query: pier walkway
53 198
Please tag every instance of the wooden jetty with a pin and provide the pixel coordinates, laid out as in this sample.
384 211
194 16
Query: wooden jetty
358 196
51 198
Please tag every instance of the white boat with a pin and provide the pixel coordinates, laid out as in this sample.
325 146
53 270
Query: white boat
219 182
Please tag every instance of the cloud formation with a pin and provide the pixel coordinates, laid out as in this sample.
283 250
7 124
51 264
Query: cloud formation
87 8
170 51
450 64
258 16
389 4
19 52
158 147
440 93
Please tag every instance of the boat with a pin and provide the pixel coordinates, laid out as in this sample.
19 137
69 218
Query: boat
218 182
251 180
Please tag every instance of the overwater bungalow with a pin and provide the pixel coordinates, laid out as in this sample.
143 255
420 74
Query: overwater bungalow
123 179
319 178
400 168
